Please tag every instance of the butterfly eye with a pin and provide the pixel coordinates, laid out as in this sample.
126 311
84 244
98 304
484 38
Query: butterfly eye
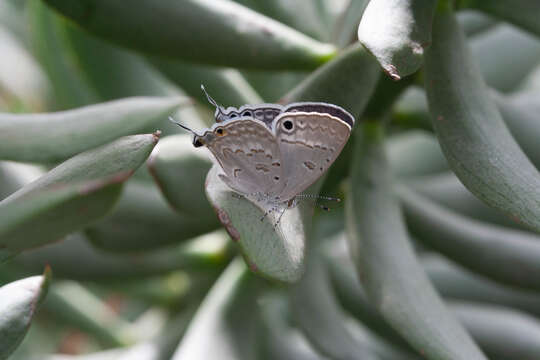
288 124
220 131
198 143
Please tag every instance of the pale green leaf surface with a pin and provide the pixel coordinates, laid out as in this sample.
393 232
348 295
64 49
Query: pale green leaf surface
394 281
503 333
72 195
194 28
315 311
523 13
476 142
142 221
396 32
56 136
506 255
180 171
226 322
19 301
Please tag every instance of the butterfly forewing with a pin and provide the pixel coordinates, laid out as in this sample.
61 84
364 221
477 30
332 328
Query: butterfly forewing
249 156
308 143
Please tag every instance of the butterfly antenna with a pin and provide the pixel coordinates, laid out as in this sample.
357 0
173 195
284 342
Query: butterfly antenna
318 197
182 125
210 99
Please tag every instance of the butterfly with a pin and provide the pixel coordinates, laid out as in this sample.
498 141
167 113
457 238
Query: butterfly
271 153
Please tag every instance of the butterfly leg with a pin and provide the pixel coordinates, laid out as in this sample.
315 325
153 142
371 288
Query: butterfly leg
268 212
279 218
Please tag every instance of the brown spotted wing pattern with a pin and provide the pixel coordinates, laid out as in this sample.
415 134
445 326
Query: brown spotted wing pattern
248 153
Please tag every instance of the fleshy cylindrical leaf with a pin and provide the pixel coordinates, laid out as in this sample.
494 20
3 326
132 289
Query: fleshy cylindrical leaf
72 195
394 281
226 322
180 171
56 136
131 227
503 333
19 301
506 255
207 31
523 13
396 32
472 134
315 311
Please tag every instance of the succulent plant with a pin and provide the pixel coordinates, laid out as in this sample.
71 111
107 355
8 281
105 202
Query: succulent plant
145 253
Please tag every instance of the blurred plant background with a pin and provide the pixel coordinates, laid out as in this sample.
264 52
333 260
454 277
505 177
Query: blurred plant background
110 247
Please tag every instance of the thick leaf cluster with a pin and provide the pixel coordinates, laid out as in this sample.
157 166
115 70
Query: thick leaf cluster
434 255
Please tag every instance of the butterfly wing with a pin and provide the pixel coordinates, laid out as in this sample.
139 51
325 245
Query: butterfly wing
248 153
309 142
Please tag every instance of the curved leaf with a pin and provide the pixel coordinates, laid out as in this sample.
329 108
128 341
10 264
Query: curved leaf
347 81
387 267
14 175
520 113
180 171
76 258
57 136
312 22
19 301
472 134
226 323
522 13
501 332
415 153
51 212
454 282
28 85
474 22
226 85
353 298
316 312
72 195
506 255
70 89
518 56
446 189
273 251
346 28
246 38
113 72
282 340
132 227
397 32
75 305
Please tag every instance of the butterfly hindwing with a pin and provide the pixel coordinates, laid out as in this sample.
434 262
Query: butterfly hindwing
309 143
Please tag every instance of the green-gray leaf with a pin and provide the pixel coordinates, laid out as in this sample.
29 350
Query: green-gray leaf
503 254
472 134
522 13
226 322
194 28
72 195
57 136
273 251
397 32
19 301
394 281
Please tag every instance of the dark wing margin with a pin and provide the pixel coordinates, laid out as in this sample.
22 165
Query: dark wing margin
323 108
